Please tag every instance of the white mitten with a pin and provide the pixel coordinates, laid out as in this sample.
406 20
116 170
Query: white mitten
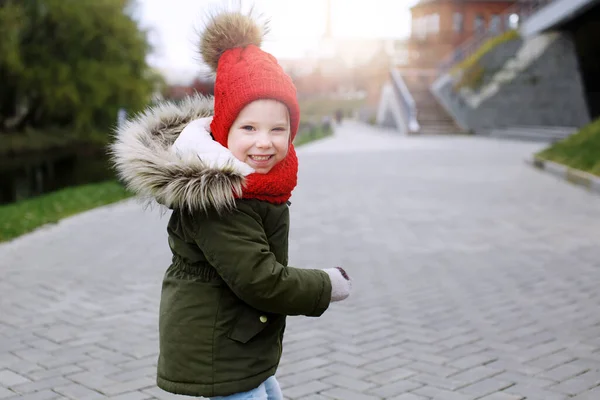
341 284
195 140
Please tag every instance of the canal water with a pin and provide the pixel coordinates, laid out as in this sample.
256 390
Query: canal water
31 175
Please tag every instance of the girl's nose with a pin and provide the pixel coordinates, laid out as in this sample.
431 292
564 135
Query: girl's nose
263 141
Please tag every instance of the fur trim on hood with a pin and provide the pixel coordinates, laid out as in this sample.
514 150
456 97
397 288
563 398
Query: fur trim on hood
196 173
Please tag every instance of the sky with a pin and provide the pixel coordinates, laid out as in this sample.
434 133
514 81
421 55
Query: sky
296 26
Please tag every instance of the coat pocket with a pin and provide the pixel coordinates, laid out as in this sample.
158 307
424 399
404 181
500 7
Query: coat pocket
249 323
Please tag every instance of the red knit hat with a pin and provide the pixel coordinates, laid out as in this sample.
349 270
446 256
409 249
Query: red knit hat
244 72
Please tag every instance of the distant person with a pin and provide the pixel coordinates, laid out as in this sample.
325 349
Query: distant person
339 114
228 179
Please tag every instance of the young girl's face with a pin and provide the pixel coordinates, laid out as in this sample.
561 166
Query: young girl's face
260 136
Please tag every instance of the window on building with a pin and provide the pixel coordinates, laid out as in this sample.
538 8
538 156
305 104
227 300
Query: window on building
435 23
458 22
495 23
428 24
415 27
479 24
401 56
419 27
513 21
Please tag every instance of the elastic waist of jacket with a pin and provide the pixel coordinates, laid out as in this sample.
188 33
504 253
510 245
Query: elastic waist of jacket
202 270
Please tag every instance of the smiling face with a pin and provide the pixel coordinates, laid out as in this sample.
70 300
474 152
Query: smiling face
260 136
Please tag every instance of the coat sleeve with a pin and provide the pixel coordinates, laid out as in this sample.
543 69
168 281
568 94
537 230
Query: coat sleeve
237 247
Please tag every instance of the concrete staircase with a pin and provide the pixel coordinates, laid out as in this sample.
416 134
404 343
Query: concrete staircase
432 117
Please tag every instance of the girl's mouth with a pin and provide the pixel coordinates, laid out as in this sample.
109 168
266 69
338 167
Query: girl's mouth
260 158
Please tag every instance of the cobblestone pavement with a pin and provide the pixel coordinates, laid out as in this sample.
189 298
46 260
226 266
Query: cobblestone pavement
476 277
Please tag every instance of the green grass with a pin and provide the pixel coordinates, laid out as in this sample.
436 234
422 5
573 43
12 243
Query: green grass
19 218
472 74
485 48
472 78
580 151
310 136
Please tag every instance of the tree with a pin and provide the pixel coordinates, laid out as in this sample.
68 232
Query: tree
70 63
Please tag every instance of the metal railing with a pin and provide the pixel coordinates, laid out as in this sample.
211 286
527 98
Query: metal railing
510 19
405 101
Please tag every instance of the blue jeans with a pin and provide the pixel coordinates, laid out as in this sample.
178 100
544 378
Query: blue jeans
268 390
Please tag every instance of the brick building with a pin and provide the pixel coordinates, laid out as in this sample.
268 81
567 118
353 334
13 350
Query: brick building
439 26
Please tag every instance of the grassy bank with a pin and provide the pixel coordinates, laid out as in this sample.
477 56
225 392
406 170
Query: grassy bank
25 216
580 151
311 135
472 72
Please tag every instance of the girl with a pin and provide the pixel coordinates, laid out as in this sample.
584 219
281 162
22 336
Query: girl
228 179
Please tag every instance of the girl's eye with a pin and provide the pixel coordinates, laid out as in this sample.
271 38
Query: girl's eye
247 127
279 129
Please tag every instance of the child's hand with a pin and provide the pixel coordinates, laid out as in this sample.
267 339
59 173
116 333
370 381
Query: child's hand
341 284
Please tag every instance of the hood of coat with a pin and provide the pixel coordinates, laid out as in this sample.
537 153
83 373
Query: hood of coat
195 173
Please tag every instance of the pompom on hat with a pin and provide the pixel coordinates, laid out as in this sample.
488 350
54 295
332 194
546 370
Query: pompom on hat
230 45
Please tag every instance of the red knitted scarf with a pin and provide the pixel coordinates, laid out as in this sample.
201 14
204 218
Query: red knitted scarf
275 186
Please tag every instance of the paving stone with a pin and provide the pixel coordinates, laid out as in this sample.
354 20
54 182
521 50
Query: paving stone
137 384
131 396
78 392
125 376
308 388
346 370
486 386
592 394
526 379
578 384
396 388
347 359
387 364
35 386
435 393
563 372
303 365
534 392
9 378
409 396
475 374
339 393
502 396
472 360
310 397
41 395
4 393
50 373
304 376
162 395
390 376
354 384
553 360
432 369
